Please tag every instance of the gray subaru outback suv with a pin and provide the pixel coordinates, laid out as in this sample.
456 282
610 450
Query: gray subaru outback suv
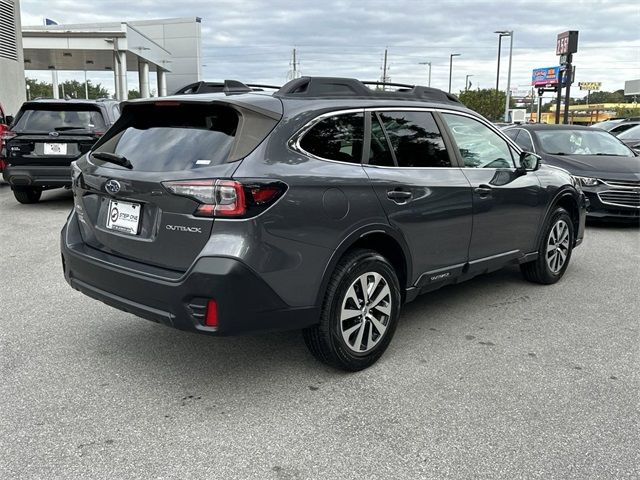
322 207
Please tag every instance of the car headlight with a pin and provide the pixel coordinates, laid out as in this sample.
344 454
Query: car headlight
587 181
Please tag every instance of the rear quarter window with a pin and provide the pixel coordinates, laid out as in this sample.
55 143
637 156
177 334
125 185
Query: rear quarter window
338 138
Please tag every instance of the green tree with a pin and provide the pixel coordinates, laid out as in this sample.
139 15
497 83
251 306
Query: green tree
487 102
133 93
72 88
604 97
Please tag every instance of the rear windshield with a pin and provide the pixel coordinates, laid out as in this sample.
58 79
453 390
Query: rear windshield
50 119
174 137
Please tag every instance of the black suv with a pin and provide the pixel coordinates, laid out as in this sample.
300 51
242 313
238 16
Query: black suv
322 207
46 136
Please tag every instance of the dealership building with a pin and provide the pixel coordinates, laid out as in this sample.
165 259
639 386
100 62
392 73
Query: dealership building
169 49
12 85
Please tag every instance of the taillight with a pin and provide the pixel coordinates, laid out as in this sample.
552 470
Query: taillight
227 198
211 316
6 135
3 165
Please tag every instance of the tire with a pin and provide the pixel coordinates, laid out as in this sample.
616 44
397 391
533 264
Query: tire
27 194
359 340
554 251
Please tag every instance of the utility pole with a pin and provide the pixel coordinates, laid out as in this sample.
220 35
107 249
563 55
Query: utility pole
429 64
451 67
293 73
508 92
295 65
384 71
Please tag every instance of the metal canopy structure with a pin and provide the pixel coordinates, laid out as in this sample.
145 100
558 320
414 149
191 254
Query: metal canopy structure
117 47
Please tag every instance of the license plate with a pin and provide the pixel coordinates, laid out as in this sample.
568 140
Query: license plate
55 148
124 217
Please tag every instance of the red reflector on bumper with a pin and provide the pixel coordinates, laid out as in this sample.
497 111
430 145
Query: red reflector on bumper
211 318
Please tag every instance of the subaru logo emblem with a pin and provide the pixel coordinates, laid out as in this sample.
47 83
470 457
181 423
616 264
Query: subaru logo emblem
112 186
54 134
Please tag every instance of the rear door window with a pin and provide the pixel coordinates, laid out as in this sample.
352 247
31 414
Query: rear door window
416 139
379 151
174 137
338 138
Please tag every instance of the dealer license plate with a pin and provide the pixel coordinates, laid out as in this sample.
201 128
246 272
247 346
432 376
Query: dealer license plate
55 148
124 216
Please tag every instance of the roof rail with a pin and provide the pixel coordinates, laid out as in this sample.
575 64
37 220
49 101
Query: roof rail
313 87
228 86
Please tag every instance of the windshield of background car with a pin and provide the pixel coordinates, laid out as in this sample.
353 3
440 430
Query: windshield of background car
581 142
181 136
51 119
630 134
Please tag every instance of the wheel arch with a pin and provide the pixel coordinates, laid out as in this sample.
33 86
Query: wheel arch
380 238
566 198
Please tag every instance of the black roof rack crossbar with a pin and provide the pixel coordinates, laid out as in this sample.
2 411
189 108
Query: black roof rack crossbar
313 87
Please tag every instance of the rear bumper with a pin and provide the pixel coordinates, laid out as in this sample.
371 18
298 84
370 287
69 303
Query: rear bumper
599 210
245 302
37 175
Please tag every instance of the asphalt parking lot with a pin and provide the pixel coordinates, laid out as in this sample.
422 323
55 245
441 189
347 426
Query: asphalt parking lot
495 378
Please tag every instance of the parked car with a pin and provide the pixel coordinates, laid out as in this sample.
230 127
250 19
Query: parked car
46 136
607 169
322 207
5 121
608 125
623 127
631 137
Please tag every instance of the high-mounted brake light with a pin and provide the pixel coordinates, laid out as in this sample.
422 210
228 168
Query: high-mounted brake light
226 198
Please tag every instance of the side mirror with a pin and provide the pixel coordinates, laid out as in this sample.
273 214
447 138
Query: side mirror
529 162
9 119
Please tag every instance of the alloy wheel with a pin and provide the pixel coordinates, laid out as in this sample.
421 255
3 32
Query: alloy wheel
366 311
558 246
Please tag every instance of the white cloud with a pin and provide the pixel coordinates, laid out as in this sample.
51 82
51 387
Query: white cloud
251 40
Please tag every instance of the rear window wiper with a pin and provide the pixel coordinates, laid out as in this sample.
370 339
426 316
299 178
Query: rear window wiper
112 158
70 127
557 153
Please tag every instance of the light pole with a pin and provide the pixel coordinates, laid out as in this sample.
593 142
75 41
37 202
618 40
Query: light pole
466 82
451 67
505 33
428 63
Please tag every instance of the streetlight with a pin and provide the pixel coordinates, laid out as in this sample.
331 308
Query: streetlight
428 63
466 82
505 33
451 67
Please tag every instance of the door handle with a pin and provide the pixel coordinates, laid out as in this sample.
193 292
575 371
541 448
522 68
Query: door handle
399 196
483 190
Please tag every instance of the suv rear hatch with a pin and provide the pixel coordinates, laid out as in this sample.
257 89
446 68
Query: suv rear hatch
150 212
53 133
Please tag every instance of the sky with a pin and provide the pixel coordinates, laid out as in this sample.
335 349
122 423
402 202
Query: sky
252 40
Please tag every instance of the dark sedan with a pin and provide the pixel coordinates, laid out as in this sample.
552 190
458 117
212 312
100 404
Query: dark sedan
607 169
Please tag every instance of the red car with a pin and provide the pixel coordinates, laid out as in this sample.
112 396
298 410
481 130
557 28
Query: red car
5 120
